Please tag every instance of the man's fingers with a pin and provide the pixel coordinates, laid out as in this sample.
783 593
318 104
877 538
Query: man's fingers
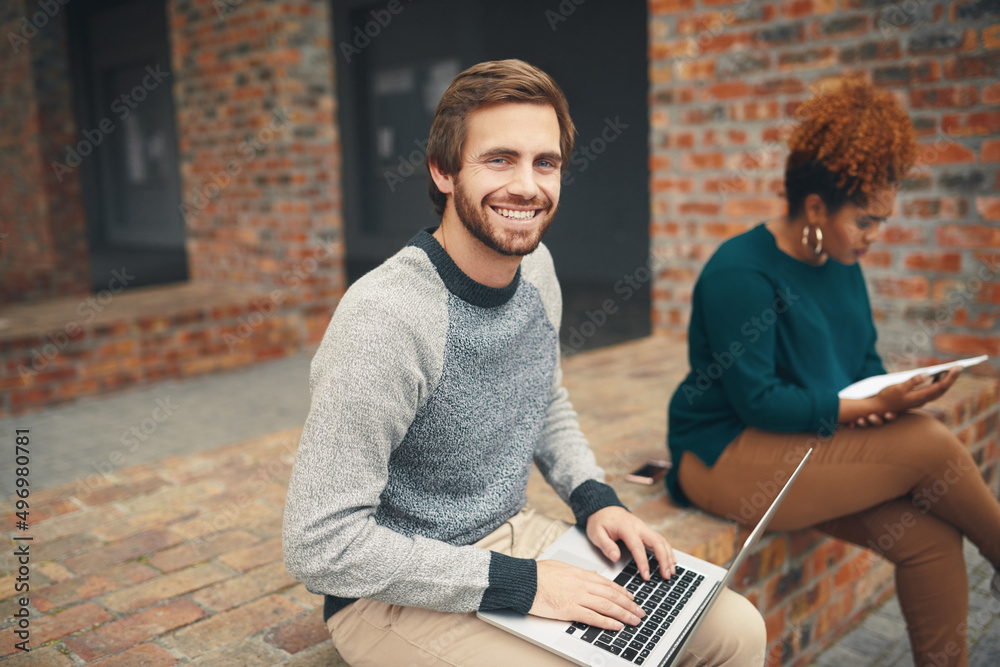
607 546
664 553
636 546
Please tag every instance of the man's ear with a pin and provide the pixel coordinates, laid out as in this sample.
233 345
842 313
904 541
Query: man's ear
444 182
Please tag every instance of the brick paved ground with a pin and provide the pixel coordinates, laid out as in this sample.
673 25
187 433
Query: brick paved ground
172 555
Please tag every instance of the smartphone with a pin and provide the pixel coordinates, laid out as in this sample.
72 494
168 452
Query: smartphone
649 473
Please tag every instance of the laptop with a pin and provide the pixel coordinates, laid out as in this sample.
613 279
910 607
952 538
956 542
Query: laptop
675 608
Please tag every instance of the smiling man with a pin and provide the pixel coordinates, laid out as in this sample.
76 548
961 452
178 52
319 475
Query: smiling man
436 387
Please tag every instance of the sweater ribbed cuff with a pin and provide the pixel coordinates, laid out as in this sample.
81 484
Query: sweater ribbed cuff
513 583
590 497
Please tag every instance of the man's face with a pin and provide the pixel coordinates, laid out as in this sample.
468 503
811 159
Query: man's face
507 190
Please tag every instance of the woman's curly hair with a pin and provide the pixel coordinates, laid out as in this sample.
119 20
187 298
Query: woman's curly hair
851 142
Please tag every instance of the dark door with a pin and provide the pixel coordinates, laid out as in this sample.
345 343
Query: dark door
392 69
131 180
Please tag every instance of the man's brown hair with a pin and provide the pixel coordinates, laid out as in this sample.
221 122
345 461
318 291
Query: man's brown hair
483 85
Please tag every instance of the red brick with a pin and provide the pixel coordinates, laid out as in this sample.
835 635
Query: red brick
968 236
990 151
47 656
913 287
190 553
674 48
941 262
744 111
754 208
852 25
726 90
234 625
659 162
827 555
989 208
698 208
131 630
906 74
811 58
991 94
721 43
266 579
943 98
122 550
941 152
46 628
810 601
795 9
774 623
302 632
834 614
854 568
696 23
62 547
991 37
727 185
877 259
971 124
696 70
782 86
82 588
670 6
683 185
967 345
936 207
164 587
973 67
146 655
722 230
697 161
882 49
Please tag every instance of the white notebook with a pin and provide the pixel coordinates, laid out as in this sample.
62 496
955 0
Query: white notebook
876 383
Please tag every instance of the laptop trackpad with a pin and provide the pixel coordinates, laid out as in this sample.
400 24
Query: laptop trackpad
579 561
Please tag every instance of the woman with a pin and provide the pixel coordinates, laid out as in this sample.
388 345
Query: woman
780 323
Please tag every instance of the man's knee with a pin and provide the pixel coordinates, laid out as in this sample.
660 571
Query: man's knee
734 634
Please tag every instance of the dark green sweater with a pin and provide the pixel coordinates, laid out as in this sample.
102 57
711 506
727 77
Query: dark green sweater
771 342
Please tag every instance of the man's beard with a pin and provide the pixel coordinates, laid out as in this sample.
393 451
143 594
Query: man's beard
503 241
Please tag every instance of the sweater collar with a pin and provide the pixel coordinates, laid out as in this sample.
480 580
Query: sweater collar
457 282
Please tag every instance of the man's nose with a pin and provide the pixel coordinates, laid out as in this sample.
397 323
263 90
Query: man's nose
523 183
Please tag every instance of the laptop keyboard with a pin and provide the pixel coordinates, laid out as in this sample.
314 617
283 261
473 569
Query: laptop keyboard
661 599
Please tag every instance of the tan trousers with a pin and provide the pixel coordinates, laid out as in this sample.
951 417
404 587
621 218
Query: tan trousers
908 490
379 634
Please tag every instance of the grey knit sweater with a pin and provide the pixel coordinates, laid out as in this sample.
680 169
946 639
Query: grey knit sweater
431 396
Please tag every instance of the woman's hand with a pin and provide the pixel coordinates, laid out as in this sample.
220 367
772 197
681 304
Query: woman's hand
873 420
915 392
895 400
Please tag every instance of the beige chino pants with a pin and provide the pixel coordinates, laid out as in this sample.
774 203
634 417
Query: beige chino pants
382 635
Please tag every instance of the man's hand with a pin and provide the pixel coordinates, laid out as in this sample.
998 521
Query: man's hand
606 526
569 593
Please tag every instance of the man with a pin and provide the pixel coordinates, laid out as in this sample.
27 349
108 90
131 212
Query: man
435 387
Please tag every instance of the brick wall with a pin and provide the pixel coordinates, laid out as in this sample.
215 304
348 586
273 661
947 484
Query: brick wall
260 156
725 78
44 251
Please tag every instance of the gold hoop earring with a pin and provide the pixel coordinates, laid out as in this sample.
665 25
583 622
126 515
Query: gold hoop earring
818 250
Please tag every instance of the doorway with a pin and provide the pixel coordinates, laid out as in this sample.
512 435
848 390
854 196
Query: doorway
127 148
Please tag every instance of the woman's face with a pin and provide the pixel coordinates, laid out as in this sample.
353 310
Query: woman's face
848 233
